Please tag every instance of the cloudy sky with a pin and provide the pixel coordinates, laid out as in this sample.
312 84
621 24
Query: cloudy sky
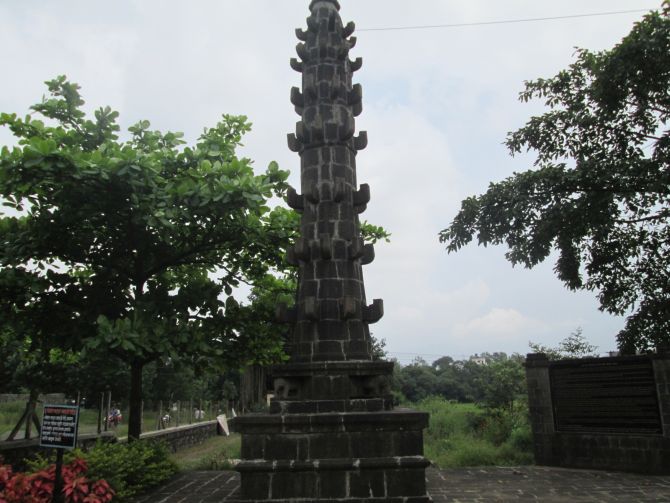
437 106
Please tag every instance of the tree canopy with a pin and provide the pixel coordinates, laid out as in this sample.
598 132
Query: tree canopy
133 247
599 192
573 346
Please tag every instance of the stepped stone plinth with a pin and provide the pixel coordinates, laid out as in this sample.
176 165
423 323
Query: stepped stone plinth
332 434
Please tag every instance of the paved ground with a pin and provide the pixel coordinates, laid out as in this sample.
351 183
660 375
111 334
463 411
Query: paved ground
528 483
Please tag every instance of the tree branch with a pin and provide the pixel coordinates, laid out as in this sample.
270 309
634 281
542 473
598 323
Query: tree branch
660 216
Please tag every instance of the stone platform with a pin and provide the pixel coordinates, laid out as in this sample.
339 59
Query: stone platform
466 485
333 456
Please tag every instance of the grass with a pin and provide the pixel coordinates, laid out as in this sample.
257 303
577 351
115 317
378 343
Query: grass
216 453
462 435
10 413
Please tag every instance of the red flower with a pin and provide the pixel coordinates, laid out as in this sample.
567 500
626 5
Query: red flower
38 487
5 474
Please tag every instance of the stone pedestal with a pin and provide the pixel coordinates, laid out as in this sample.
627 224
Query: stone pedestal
334 456
332 435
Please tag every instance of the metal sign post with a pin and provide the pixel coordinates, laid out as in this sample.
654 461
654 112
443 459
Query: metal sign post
60 424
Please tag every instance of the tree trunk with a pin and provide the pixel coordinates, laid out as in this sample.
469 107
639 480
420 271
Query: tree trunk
29 417
135 406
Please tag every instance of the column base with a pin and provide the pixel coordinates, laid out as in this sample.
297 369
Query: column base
333 457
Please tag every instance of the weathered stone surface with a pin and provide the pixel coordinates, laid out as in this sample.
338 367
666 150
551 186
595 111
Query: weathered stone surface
466 485
627 430
331 434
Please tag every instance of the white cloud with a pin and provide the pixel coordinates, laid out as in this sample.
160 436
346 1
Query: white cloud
500 323
437 106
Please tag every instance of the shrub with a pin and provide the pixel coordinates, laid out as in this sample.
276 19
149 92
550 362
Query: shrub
498 426
38 487
521 438
467 435
131 468
128 468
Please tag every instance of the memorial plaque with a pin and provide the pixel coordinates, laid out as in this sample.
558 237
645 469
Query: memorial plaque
606 396
59 426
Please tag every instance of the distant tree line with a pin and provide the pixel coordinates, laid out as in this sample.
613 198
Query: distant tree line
494 380
500 382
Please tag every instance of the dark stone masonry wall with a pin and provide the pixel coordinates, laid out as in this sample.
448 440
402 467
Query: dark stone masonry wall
185 436
614 417
16 451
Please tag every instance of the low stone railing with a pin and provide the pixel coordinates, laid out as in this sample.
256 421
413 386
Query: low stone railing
177 438
181 437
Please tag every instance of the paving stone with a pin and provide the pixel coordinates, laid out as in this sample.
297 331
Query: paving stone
466 485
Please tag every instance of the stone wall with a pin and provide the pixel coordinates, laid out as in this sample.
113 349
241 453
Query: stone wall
16 451
185 436
614 434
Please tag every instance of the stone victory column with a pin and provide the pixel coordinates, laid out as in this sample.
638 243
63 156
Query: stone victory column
331 434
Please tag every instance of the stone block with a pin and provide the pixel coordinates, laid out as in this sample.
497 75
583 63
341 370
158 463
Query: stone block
405 482
282 447
409 443
328 210
357 330
303 351
360 348
326 406
329 350
253 447
366 484
372 445
286 485
329 309
326 228
329 445
340 171
330 330
325 171
352 288
309 288
327 269
304 332
255 486
350 307
333 484
330 289
346 229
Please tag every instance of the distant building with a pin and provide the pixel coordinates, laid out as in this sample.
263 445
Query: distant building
479 360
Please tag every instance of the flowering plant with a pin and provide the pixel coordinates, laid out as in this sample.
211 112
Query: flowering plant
38 487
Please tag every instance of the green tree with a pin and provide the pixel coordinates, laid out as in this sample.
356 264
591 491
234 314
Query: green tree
416 382
124 237
10 350
503 382
573 346
600 190
37 330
